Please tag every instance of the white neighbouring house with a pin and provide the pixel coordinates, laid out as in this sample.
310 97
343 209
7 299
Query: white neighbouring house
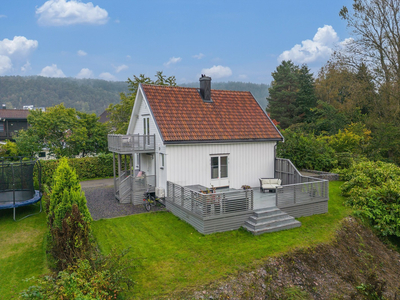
186 140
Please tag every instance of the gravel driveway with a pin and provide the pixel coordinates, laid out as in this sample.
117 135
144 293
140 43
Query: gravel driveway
103 205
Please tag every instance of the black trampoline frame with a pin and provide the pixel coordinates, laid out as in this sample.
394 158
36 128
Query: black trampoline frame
14 198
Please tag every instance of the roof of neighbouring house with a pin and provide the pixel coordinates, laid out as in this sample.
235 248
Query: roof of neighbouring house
104 117
14 113
182 115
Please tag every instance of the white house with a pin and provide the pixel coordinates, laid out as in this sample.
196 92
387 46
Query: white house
203 136
186 140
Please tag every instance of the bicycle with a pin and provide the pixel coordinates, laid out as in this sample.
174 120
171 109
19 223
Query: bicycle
149 200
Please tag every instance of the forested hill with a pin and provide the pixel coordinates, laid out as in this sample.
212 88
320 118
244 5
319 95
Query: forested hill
259 91
88 95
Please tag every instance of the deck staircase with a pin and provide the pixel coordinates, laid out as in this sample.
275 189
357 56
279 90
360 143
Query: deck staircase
269 220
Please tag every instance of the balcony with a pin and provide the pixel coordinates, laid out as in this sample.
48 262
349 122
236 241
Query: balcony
127 144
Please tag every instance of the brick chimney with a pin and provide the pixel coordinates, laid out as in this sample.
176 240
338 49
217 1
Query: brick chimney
205 88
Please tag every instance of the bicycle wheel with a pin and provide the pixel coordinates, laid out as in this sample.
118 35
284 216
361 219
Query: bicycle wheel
152 201
147 204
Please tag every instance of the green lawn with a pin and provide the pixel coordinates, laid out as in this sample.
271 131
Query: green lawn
22 250
172 256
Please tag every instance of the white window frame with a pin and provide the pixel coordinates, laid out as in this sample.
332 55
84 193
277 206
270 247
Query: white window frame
220 169
162 160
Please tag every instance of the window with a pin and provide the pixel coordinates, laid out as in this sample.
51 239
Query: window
162 163
219 167
42 154
146 126
146 129
1 127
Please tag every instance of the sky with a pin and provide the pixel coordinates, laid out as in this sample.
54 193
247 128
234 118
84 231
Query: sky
236 40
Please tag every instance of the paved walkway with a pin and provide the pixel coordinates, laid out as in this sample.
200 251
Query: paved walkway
97 183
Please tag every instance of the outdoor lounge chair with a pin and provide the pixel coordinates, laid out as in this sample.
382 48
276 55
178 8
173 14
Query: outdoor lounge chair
270 184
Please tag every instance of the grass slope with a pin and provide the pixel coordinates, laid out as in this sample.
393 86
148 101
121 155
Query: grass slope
22 250
172 256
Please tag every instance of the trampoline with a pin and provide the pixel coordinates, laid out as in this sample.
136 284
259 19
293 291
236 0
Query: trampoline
17 184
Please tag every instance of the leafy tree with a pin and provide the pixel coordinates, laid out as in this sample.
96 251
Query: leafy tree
64 131
9 149
326 119
351 92
120 113
375 26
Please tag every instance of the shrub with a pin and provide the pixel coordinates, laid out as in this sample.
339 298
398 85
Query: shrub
68 218
86 167
307 151
374 189
104 278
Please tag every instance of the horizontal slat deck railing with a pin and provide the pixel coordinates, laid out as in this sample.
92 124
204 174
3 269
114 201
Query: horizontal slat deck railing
209 205
120 143
300 195
140 185
209 213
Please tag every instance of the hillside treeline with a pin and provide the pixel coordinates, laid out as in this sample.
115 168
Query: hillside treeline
86 95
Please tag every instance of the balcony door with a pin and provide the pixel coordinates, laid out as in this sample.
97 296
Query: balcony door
146 129
219 170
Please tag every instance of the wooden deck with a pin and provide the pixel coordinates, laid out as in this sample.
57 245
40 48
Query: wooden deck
230 209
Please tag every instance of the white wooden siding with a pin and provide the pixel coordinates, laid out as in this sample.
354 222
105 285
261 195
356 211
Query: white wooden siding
190 164
148 161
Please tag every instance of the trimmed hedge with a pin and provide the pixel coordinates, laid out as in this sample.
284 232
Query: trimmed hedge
86 167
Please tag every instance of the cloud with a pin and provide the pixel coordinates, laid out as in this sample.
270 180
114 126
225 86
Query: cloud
107 76
52 71
3 16
120 68
198 56
26 67
85 73
19 47
217 71
5 64
81 53
318 49
172 60
63 12
15 51
242 76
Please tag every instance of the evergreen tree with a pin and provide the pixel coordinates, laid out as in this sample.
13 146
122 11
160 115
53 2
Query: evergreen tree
68 219
306 98
283 94
292 94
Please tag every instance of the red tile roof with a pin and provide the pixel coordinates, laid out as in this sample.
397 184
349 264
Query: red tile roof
182 115
14 113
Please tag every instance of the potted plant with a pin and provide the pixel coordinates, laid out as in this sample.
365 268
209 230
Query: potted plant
246 187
